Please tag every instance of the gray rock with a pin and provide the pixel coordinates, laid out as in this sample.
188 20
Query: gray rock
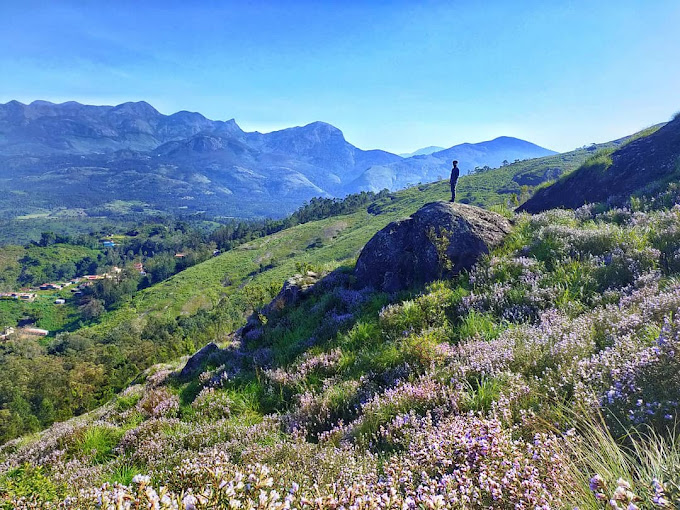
195 363
293 290
403 254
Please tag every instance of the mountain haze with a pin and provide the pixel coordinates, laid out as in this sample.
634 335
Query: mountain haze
436 166
88 160
422 152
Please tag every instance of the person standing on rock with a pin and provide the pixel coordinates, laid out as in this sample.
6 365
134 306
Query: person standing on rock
455 173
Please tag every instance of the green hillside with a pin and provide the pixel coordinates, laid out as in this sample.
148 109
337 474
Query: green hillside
212 299
549 372
334 241
643 164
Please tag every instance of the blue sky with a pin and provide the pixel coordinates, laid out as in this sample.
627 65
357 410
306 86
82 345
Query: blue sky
392 75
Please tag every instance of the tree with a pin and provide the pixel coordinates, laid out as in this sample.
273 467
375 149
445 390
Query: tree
161 267
66 271
47 238
92 308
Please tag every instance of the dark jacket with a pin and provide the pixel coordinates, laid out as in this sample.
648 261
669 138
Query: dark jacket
455 173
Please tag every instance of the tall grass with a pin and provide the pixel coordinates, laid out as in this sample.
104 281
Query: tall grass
599 162
639 458
98 443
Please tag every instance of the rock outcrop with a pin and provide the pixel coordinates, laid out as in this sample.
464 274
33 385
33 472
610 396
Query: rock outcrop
196 362
294 289
439 240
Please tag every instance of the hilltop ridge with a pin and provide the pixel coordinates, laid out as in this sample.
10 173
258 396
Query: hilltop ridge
642 164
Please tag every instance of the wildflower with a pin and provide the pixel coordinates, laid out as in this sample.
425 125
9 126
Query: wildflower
189 502
141 479
596 482
623 484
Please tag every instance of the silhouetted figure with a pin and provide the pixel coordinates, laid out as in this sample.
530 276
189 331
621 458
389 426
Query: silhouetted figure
455 173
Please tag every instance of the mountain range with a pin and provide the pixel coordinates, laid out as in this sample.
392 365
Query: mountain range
94 160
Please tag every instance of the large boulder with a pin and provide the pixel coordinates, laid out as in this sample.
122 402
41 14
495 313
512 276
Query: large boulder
439 240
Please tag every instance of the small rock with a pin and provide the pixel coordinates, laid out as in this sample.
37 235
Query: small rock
195 363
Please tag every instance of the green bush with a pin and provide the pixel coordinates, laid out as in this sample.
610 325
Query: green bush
96 442
28 482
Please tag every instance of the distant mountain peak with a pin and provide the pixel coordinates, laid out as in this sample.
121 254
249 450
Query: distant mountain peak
187 114
506 138
42 102
142 154
423 152
141 108
321 128
13 104
319 124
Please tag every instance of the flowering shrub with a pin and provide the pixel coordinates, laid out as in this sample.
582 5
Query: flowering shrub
635 393
158 402
462 396
212 405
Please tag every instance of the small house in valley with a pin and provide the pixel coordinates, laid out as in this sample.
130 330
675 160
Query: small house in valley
34 331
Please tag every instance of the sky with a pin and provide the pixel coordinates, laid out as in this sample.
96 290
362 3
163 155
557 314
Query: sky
394 75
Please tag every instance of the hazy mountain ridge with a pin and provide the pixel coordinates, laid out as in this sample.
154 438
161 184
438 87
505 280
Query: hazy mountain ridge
422 152
436 166
75 156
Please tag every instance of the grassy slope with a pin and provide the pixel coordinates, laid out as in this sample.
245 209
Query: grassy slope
202 285
342 239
